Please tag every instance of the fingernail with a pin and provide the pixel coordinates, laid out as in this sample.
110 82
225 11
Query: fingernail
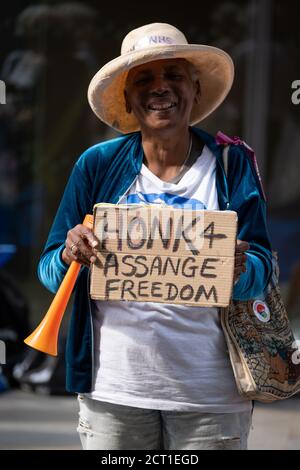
94 243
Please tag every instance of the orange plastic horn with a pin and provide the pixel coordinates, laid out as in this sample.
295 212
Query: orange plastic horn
44 338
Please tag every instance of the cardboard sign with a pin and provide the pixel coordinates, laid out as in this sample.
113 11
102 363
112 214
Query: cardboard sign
163 254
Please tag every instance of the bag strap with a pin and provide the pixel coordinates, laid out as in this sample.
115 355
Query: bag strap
225 158
225 140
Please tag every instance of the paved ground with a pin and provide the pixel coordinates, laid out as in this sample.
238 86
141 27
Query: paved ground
276 426
34 421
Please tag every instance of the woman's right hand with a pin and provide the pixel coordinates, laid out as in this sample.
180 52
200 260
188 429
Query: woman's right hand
81 246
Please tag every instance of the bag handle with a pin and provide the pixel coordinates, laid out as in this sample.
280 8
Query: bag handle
225 158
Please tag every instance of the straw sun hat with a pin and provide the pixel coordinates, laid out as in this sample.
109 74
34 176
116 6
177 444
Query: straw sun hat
153 42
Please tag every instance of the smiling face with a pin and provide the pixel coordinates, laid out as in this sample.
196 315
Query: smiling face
161 94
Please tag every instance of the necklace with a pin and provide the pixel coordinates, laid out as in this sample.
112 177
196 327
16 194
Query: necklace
188 153
186 158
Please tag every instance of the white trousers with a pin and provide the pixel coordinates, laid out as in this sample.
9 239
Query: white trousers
109 426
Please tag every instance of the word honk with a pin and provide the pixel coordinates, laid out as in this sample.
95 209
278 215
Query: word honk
144 227
163 254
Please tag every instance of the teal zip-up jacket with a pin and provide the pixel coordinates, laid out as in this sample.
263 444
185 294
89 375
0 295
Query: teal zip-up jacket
103 173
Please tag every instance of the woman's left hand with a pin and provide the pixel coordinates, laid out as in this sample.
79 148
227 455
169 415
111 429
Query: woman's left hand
240 259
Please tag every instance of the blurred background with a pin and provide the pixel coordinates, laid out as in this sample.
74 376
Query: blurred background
49 52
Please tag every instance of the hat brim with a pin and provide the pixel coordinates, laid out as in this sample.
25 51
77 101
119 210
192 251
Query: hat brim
106 89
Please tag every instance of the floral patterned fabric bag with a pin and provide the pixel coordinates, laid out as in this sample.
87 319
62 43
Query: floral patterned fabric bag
261 344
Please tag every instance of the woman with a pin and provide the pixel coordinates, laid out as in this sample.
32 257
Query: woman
151 375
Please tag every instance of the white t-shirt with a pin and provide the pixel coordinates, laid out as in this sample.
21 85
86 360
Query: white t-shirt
165 356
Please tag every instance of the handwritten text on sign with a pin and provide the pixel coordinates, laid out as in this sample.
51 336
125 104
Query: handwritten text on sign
164 254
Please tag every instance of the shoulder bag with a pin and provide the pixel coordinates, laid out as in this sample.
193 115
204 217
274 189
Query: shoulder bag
261 344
